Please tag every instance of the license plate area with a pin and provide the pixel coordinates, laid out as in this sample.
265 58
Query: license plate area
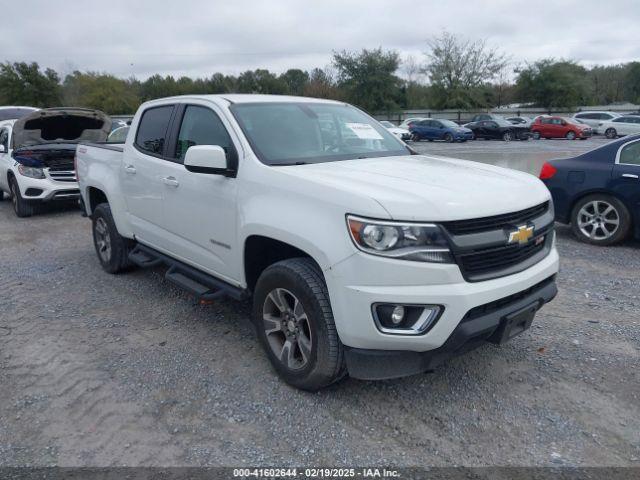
514 324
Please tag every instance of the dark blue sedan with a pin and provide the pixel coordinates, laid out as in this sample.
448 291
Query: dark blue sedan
598 192
429 129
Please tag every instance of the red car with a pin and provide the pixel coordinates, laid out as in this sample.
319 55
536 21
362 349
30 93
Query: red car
559 127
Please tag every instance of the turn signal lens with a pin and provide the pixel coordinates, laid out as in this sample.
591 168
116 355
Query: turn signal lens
547 171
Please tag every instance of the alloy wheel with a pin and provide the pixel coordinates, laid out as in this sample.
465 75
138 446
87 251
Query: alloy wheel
103 239
571 135
610 133
598 220
287 328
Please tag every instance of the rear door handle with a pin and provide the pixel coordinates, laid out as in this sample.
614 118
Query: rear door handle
171 181
130 169
630 175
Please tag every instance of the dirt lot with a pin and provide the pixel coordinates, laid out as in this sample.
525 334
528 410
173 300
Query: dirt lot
105 370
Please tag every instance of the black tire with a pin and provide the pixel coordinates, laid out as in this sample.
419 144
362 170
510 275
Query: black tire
415 137
536 136
611 133
448 138
303 280
507 136
1 195
571 135
116 258
621 213
21 207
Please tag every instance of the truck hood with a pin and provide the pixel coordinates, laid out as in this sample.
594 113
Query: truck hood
426 188
61 125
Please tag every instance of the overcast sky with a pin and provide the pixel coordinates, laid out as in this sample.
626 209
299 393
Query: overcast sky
200 37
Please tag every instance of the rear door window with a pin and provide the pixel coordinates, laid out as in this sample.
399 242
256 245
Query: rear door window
4 139
630 154
152 130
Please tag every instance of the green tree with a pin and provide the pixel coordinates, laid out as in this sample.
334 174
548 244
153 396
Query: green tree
260 81
460 70
24 83
368 78
296 80
321 85
101 91
632 82
550 84
607 83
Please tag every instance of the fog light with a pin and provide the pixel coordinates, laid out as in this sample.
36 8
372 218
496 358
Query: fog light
405 319
398 315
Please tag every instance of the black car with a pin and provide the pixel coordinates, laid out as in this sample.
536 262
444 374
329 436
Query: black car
598 192
499 129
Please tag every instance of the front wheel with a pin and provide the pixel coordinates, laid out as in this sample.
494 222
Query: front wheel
415 137
295 325
600 220
448 138
112 249
536 135
21 207
611 133
571 135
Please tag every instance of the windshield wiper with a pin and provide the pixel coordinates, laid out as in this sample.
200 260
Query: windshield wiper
289 164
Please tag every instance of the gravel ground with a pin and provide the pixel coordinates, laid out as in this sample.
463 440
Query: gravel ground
101 370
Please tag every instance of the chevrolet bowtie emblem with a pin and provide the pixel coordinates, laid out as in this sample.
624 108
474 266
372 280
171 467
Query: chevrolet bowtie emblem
521 235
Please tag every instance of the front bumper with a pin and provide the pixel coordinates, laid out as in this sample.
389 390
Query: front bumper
361 280
477 326
47 189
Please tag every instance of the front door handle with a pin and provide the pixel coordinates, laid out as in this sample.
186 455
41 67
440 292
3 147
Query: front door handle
630 175
130 169
171 181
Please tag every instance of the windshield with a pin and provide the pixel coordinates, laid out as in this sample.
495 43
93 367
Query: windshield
387 124
298 133
502 122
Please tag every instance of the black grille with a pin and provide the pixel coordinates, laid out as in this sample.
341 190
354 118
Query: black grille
496 305
497 222
60 164
494 260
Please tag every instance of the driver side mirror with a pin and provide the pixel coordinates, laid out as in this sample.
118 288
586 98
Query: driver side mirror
210 159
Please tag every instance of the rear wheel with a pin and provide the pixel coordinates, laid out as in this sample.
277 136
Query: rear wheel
112 248
21 207
610 133
600 220
295 325
571 135
507 136
536 135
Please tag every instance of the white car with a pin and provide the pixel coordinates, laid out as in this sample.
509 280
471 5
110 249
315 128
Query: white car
361 257
593 119
626 125
402 133
15 112
408 121
37 152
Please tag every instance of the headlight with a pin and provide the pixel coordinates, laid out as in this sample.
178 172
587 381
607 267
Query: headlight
32 172
419 242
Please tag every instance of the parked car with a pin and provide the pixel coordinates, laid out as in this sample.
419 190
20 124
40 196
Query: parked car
547 126
524 121
598 192
430 129
407 122
14 113
402 133
361 257
498 129
486 116
620 126
37 151
593 119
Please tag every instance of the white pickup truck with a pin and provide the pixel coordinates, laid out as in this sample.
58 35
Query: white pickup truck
361 256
